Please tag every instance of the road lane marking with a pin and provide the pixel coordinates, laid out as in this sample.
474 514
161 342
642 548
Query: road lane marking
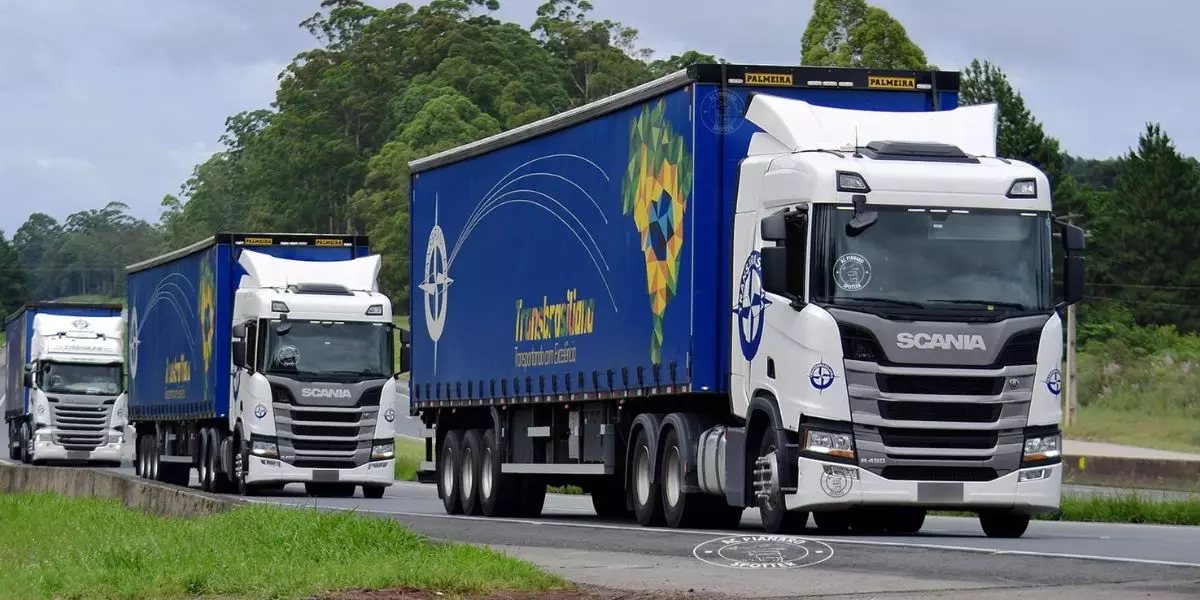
669 531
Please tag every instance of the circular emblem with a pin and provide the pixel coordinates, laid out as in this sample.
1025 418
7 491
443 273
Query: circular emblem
821 376
1054 381
752 303
852 272
763 552
436 283
260 411
80 324
836 484
134 342
728 121
389 415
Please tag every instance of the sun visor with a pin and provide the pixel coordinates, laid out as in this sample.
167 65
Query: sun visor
800 126
264 270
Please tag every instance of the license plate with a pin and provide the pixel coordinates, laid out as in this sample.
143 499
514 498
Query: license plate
78 455
939 491
325 475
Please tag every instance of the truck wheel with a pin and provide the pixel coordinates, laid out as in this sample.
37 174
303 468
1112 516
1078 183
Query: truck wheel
151 457
496 489
906 520
241 464
14 443
776 518
610 500
373 492
832 522
646 502
204 462
469 468
1002 524
448 471
26 444
532 497
680 509
222 447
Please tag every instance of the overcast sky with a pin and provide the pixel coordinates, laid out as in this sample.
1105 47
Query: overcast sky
118 99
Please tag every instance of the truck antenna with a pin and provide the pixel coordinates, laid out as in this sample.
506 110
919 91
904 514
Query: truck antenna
857 154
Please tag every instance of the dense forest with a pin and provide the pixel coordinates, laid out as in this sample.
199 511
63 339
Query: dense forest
384 86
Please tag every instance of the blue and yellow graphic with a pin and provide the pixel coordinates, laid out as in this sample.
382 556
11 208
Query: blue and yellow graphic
549 321
656 189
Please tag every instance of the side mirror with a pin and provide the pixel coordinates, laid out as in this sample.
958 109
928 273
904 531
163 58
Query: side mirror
239 352
405 358
405 337
863 218
1072 238
774 228
239 331
1073 279
28 379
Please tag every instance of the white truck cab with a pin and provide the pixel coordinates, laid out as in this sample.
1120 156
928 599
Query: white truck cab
77 400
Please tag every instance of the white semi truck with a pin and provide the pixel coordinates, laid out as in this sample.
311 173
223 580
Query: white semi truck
809 291
261 360
65 399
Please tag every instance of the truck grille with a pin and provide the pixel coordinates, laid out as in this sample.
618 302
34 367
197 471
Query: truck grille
80 426
325 437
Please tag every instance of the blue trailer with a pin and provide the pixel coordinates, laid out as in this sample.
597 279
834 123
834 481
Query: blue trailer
64 395
593 298
206 324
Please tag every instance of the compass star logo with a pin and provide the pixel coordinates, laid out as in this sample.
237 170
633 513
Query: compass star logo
751 306
436 283
134 330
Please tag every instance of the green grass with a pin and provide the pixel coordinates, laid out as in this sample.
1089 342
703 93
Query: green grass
1116 509
68 548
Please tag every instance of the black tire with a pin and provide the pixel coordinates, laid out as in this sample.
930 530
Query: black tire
152 463
14 444
609 499
26 444
448 458
680 510
497 490
138 463
204 470
644 491
222 482
373 492
906 521
775 516
532 497
832 522
470 468
1004 524
242 458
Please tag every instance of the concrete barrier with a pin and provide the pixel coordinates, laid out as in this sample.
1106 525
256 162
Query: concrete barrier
1150 473
148 496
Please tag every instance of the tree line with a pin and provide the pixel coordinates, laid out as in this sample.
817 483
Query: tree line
386 85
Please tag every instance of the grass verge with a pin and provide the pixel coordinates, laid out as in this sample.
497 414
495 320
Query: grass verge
1117 509
93 548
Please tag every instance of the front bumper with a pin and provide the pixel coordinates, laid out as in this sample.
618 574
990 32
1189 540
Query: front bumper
842 486
272 470
47 450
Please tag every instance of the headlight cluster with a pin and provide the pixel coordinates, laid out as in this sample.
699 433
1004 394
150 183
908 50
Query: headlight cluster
1042 448
383 451
829 443
264 449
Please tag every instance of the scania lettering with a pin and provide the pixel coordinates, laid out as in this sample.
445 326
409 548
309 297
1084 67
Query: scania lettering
938 340
261 360
817 293
65 395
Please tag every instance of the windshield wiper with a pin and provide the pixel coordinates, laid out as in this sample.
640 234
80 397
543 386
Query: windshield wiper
891 301
1012 305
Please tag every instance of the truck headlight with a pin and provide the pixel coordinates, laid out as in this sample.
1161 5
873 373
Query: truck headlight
264 449
830 443
115 438
1043 448
384 451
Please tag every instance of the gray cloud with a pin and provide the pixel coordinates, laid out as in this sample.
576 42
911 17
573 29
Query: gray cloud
117 100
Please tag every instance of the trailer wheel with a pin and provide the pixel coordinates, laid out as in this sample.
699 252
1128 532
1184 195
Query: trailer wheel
645 491
152 455
1001 524
448 471
470 467
680 509
776 518
373 492
497 490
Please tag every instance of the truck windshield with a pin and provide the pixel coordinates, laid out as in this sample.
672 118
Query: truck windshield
84 379
931 260
334 350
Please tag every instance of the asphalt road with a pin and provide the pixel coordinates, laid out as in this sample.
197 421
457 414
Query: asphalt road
950 557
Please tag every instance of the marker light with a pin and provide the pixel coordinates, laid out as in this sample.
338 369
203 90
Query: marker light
375 310
1023 188
279 307
851 182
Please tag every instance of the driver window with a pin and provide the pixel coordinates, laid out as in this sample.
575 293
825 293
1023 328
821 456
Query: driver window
797 248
